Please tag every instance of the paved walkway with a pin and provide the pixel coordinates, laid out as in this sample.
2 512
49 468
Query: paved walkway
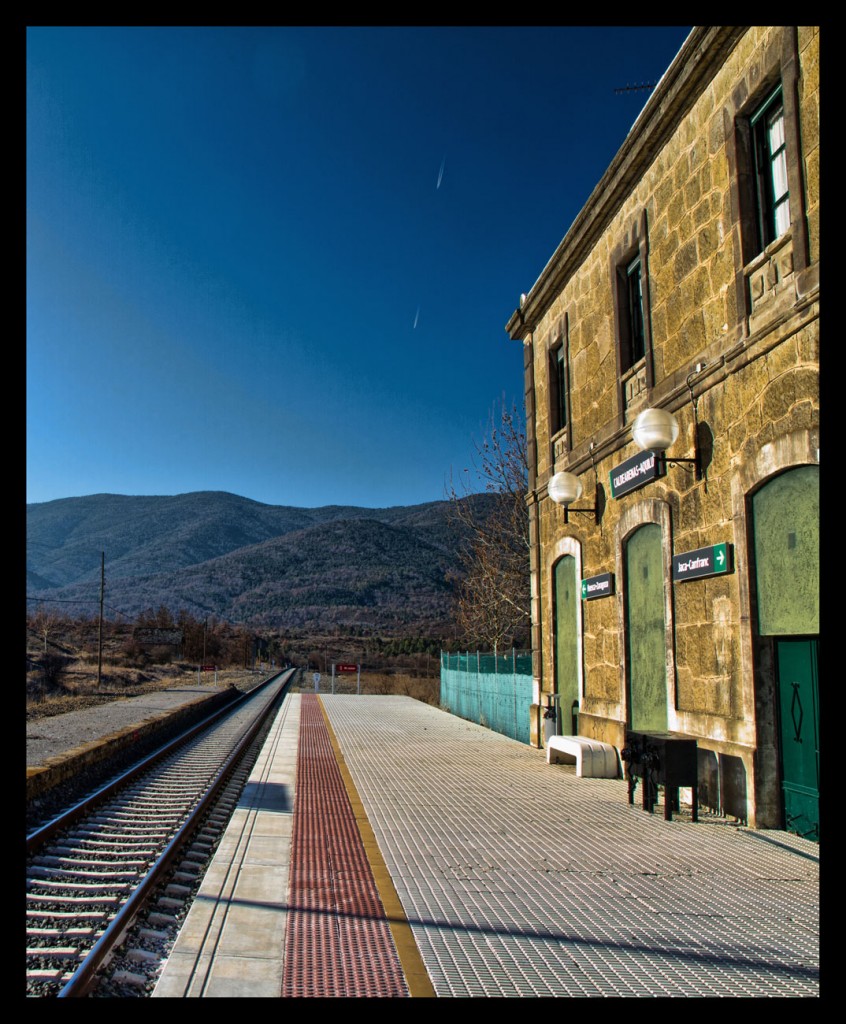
516 877
233 940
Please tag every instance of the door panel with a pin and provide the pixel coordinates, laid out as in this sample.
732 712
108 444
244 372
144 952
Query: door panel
566 642
786 517
786 546
798 688
646 637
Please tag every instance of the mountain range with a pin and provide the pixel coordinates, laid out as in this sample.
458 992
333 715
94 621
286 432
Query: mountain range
215 553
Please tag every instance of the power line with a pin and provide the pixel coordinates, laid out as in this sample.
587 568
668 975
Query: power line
636 88
79 600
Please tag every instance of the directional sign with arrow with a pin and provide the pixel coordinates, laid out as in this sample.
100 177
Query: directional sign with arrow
713 561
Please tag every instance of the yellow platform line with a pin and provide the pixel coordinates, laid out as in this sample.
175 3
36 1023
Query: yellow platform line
416 976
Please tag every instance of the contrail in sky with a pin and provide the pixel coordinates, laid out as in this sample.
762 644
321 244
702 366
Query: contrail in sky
440 174
416 315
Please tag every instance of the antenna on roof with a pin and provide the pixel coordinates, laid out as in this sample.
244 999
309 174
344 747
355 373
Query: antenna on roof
636 88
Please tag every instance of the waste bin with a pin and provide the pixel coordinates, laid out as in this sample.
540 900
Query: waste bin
550 724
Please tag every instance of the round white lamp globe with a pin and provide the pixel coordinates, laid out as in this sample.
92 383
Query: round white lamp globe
564 488
655 430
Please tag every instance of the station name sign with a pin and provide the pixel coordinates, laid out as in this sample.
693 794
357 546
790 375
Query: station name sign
692 565
598 586
640 469
345 666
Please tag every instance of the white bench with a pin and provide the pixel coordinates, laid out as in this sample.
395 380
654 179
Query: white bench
594 759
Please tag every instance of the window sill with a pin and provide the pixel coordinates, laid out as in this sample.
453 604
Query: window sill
560 446
769 278
635 392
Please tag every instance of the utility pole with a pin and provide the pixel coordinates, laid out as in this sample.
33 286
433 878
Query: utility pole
100 631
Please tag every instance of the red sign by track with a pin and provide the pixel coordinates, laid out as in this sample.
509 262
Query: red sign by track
345 667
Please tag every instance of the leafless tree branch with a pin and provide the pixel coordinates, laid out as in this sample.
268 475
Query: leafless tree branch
492 605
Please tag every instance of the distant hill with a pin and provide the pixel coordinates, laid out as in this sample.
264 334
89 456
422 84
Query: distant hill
212 552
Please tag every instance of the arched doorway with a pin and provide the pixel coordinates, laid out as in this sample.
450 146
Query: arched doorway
566 597
646 639
785 544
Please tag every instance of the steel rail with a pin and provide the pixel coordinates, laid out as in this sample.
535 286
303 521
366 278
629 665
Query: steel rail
44 833
81 981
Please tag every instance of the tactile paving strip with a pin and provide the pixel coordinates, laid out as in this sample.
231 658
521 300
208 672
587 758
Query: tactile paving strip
338 942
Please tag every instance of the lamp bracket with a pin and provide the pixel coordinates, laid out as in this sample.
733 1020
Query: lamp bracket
662 460
581 511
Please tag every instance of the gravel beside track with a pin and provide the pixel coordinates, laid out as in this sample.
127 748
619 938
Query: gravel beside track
58 735
66 747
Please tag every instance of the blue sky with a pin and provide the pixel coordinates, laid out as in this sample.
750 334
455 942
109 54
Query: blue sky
279 261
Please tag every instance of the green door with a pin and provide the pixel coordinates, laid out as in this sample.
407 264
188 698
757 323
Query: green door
785 520
799 716
646 638
567 596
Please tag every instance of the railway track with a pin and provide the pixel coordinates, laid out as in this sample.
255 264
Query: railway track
91 870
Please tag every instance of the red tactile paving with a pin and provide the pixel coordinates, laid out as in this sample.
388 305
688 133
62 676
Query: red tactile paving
338 941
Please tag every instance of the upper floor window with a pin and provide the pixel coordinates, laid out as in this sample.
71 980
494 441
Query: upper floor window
633 335
769 153
557 389
768 201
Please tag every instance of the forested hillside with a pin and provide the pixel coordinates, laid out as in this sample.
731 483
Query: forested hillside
217 553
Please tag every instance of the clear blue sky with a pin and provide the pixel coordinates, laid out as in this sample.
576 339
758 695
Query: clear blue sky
279 261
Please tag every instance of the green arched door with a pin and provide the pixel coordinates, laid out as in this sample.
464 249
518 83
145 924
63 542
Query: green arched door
566 610
785 526
646 640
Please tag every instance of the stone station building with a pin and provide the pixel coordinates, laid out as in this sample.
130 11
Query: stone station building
673 596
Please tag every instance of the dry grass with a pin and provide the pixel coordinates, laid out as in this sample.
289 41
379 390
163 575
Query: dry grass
80 694
62 676
74 686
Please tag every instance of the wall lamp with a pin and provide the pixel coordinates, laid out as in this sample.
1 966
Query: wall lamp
656 430
564 489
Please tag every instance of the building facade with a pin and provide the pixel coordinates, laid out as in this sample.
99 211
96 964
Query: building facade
670 595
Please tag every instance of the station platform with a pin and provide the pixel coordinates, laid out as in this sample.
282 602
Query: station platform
384 847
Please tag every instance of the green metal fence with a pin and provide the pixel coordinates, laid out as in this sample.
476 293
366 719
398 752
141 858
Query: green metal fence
494 690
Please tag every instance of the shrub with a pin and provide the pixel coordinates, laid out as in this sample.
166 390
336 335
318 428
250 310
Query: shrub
133 653
53 668
161 655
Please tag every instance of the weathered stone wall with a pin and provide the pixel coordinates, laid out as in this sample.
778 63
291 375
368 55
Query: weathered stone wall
754 331
809 112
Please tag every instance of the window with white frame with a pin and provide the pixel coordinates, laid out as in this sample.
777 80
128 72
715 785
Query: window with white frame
769 150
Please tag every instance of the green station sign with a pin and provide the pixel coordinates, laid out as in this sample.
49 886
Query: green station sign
598 586
693 565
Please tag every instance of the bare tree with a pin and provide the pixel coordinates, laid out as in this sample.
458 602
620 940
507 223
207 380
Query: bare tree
45 623
492 605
